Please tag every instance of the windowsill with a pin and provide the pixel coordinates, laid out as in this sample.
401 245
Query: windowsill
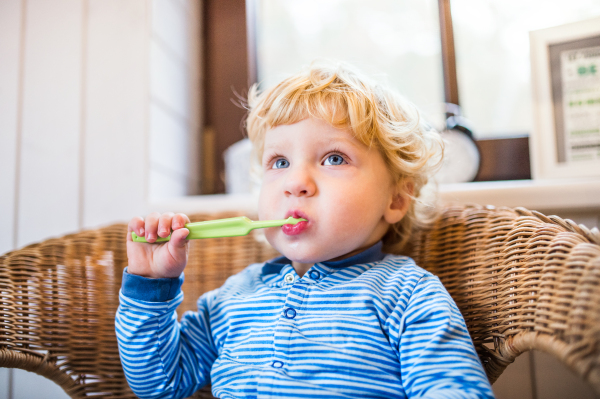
540 195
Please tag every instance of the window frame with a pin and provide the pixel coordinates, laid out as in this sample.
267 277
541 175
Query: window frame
229 28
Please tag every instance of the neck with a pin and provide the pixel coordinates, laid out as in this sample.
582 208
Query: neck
301 268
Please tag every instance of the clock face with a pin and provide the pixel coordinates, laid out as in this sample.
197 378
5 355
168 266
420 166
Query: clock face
461 158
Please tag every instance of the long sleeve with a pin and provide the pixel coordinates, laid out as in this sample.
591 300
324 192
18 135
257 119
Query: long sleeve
437 356
162 358
383 329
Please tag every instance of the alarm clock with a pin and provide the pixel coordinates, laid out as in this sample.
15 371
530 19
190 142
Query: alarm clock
461 155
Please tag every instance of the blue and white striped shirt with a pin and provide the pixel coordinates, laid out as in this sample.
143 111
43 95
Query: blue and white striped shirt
369 326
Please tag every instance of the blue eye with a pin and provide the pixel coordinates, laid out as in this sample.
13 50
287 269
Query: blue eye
334 159
281 163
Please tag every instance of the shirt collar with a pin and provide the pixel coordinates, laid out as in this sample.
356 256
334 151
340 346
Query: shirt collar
371 254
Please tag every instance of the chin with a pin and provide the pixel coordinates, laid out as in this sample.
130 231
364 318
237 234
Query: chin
294 251
303 249
298 256
305 253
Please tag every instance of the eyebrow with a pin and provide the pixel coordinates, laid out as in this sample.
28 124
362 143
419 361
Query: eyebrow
329 141
338 139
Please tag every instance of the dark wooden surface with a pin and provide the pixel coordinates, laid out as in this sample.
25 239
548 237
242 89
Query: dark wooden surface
226 77
448 54
504 159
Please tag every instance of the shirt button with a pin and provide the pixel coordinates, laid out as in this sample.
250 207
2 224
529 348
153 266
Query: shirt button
290 313
314 274
277 364
289 278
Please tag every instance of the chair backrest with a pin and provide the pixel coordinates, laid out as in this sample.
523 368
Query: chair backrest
522 281
58 300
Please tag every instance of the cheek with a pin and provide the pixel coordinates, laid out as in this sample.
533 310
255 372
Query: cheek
346 210
350 208
269 203
263 203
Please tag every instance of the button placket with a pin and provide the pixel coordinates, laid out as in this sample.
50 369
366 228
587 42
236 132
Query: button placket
277 364
290 313
282 343
289 278
319 272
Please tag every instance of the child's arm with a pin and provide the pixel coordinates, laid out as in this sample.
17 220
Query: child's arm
437 356
161 357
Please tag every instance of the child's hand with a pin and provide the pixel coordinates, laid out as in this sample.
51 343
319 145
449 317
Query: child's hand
158 260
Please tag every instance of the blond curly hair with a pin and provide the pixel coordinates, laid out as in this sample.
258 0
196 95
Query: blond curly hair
377 116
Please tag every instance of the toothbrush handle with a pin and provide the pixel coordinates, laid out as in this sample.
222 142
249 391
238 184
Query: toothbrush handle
231 227
137 238
261 224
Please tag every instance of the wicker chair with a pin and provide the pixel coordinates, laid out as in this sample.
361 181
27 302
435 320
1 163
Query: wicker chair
522 281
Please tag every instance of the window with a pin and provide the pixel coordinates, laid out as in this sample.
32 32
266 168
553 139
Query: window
492 57
400 42
397 41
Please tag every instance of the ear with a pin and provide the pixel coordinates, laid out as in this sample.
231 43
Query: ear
399 202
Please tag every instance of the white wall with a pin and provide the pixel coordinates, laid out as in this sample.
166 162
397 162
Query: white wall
174 99
10 82
99 114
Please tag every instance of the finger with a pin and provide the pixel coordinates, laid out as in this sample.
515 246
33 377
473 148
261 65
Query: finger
179 221
152 226
178 237
136 225
164 224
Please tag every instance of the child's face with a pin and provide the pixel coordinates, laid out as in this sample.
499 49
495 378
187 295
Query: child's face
325 175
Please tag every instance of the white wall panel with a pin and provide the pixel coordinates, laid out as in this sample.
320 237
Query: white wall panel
30 385
85 122
49 164
165 185
4 382
116 111
10 33
169 81
175 100
170 24
169 141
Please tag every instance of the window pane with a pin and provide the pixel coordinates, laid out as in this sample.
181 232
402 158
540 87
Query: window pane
492 57
397 42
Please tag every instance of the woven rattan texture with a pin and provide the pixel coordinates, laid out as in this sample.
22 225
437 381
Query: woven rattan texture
522 281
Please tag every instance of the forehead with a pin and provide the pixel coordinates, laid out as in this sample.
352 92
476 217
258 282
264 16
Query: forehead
310 131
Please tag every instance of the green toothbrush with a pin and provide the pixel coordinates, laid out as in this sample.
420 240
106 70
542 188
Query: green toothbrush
231 227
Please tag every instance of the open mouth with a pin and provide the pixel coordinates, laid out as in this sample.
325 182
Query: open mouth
295 229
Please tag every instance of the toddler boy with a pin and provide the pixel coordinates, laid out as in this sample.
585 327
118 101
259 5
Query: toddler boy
338 315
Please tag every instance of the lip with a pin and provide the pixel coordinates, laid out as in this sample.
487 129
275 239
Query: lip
296 214
295 229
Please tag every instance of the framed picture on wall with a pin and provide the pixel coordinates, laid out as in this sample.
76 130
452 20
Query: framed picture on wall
565 76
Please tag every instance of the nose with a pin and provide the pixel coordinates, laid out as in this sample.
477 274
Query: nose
300 182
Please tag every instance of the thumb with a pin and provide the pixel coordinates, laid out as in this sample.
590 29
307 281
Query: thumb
178 237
